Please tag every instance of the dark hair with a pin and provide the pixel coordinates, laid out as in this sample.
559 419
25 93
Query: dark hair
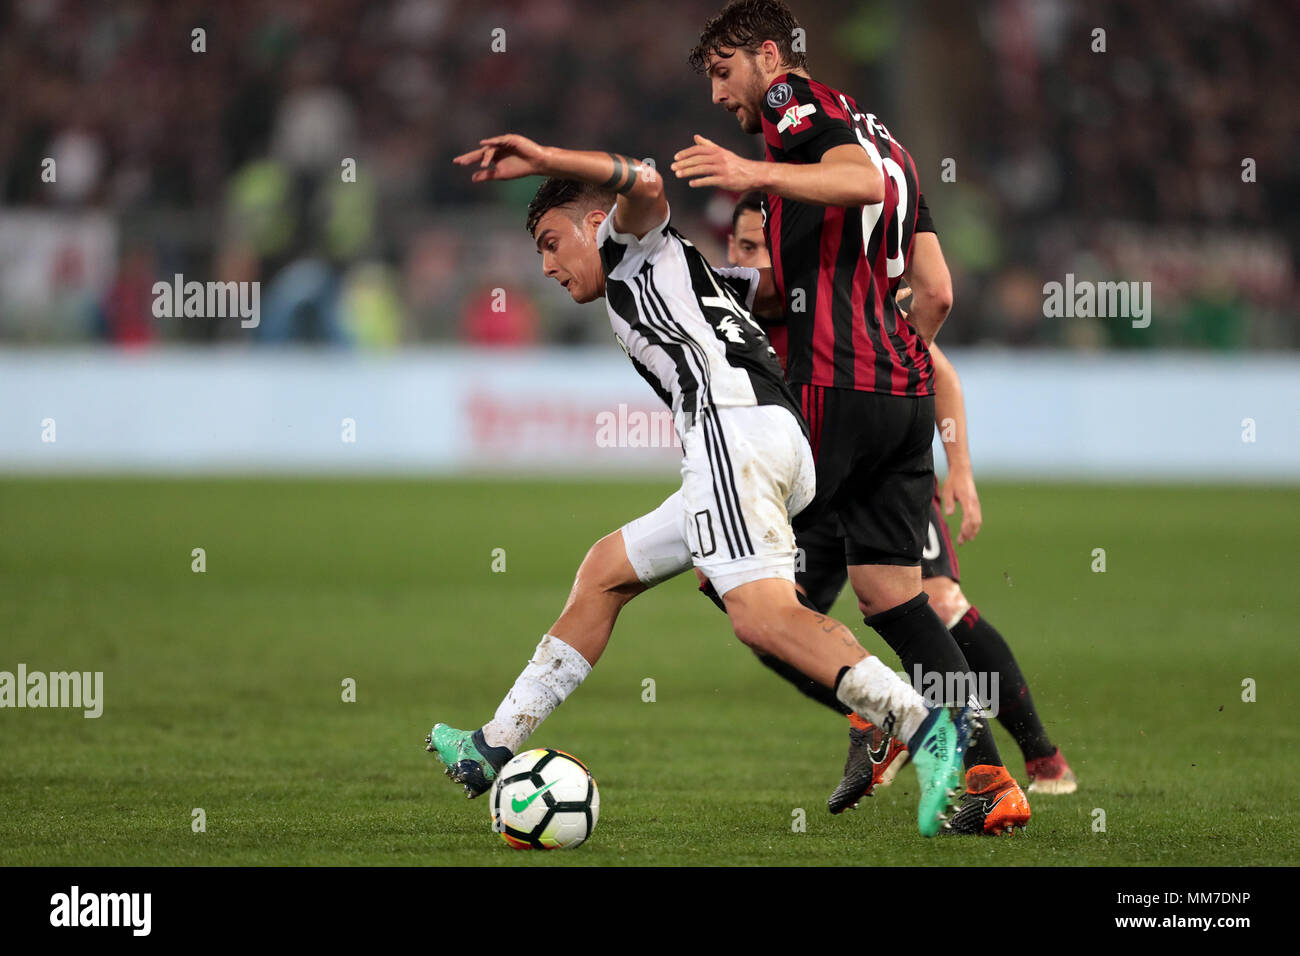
746 25
564 192
750 202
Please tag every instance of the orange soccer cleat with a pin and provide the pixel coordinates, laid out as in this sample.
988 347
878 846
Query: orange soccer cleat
993 803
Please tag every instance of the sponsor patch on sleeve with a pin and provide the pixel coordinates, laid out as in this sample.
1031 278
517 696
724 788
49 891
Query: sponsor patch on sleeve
779 95
793 118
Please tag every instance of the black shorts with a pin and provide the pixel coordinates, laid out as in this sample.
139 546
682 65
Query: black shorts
820 567
939 557
875 471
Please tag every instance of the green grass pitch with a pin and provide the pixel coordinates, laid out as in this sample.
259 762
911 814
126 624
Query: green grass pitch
223 689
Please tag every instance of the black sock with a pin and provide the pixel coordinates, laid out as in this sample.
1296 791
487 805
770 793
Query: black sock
802 682
987 653
921 641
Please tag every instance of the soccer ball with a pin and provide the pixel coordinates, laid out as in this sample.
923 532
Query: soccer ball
544 800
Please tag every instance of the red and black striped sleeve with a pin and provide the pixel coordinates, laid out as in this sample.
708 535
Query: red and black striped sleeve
801 121
924 221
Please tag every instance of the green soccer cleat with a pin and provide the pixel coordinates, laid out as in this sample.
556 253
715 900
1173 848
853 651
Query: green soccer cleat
470 761
937 749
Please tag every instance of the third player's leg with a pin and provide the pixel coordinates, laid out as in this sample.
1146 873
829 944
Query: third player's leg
947 599
1003 682
1005 689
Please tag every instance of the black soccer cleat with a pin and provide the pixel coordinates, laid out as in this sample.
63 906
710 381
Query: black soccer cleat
874 760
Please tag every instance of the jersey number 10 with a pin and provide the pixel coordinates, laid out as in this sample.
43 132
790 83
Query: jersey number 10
871 213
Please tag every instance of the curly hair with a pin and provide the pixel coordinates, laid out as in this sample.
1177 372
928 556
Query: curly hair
746 25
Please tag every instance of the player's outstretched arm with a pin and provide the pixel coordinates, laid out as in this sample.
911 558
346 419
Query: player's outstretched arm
843 176
641 204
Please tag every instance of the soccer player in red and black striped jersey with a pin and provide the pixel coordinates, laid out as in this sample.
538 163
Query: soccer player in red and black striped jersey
872 759
845 223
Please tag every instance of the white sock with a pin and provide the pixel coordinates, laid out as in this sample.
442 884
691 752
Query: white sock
884 698
554 673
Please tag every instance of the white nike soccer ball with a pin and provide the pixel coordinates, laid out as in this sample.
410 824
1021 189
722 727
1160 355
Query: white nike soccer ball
544 800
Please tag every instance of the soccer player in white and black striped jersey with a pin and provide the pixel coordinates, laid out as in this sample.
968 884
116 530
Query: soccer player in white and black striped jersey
602 226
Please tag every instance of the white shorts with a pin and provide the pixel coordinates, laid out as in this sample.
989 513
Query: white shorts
746 471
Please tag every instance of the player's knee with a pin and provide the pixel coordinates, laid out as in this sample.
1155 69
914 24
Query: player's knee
882 601
752 634
885 587
750 627
947 599
605 572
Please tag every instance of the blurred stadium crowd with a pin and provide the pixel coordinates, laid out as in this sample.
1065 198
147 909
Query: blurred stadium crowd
230 164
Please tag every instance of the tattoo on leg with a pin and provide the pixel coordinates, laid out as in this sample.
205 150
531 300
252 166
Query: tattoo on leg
832 626
829 626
